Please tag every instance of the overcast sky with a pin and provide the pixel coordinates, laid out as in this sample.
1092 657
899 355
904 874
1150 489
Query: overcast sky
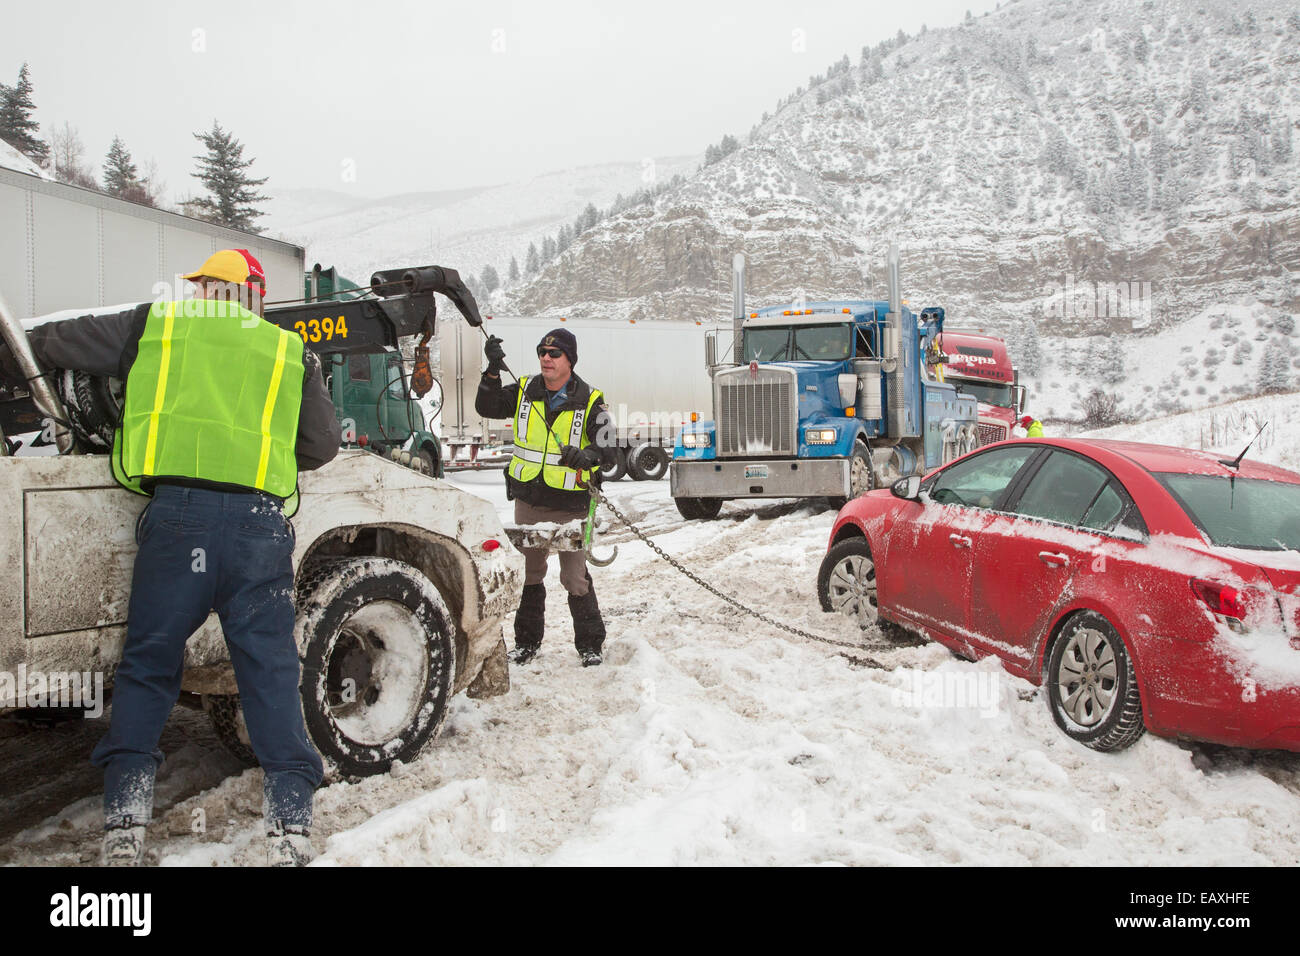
382 98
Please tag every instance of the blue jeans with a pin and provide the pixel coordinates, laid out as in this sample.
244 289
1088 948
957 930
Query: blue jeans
202 551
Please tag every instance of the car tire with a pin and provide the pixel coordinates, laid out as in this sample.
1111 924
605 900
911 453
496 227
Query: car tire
432 461
862 477
647 462
702 508
227 718
846 582
618 469
1092 688
378 658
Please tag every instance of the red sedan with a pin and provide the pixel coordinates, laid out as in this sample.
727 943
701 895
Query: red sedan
1147 587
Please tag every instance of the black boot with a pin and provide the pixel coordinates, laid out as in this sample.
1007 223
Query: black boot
588 625
530 622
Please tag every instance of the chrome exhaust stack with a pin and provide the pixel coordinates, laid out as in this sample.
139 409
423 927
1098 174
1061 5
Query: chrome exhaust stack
43 395
738 305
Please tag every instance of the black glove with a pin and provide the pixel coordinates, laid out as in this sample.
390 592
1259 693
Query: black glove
583 459
496 355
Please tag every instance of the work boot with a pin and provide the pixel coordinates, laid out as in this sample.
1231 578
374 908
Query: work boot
288 845
530 622
588 625
124 845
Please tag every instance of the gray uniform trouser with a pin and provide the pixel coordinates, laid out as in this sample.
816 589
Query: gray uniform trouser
573 564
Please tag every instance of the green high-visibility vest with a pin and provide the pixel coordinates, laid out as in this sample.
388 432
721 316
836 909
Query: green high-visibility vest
214 394
536 447
1035 429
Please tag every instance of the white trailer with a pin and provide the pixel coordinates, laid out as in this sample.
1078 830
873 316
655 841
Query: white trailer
63 247
650 371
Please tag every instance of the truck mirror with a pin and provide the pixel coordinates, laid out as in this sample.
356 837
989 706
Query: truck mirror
710 350
908 488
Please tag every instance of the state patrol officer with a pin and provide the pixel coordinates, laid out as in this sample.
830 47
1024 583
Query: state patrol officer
563 436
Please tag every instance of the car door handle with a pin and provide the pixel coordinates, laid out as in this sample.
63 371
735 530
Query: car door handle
958 541
1053 560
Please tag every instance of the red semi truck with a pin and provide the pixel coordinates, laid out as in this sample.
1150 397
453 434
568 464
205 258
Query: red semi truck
979 365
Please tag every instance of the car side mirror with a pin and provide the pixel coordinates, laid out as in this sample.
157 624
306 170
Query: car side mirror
908 488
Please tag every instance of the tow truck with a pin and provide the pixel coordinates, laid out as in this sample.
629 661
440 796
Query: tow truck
826 399
403 581
979 365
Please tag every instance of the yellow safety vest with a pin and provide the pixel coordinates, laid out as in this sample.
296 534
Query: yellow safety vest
536 447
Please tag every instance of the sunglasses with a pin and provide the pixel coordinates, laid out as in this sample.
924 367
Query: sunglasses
553 353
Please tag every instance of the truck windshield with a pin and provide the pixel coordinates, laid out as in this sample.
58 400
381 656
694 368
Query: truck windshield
988 394
817 343
1240 512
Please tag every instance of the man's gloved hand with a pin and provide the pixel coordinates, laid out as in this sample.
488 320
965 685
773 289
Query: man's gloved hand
583 459
496 355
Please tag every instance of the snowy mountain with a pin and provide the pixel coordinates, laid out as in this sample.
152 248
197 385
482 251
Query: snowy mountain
466 229
1093 168
10 158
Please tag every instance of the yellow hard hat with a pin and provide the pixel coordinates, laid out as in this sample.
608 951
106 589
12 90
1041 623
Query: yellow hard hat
233 265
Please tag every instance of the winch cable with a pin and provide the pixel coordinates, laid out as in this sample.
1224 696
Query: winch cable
721 595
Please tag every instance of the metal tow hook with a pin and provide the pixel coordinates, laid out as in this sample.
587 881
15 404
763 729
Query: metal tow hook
588 536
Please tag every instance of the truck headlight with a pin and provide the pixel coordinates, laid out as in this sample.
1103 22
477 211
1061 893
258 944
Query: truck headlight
696 439
819 436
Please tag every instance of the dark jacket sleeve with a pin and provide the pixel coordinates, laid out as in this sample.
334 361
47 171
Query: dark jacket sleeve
496 399
319 431
601 432
99 344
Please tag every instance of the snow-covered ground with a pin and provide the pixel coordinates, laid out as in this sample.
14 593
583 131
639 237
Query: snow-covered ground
710 738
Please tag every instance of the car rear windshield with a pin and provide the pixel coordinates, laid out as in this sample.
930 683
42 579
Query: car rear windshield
1240 512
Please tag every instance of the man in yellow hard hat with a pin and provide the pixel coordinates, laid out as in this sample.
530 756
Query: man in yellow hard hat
221 410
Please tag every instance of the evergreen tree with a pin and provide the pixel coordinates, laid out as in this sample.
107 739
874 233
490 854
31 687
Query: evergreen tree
514 270
1282 140
564 239
17 128
532 262
1007 196
1159 152
491 281
549 249
1275 367
234 197
120 174
1031 349
1113 370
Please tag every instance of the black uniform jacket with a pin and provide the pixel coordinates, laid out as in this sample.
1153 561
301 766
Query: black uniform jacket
496 399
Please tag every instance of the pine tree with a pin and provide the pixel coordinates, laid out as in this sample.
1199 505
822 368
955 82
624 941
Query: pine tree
233 201
1113 370
514 270
549 249
1031 349
532 262
1275 367
491 281
17 128
1159 152
120 174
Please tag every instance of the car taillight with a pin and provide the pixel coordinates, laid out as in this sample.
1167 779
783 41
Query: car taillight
1222 599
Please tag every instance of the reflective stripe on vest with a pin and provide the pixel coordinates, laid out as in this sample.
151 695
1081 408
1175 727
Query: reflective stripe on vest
214 394
536 448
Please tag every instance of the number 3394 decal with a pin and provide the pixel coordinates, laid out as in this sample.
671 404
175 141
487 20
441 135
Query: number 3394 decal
326 329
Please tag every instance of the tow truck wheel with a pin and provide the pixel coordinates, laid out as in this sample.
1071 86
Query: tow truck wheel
432 465
617 470
647 462
862 477
704 508
378 655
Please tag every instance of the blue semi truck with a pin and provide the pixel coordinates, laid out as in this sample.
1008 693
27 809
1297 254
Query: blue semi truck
822 399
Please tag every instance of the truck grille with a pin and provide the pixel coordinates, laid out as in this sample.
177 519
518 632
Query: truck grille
991 433
756 413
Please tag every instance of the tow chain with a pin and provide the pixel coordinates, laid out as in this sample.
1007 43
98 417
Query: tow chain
726 598
732 601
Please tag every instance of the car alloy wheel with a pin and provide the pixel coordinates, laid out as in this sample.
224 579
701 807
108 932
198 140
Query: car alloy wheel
846 582
1092 687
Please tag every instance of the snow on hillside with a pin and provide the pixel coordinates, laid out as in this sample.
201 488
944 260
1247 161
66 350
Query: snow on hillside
464 229
10 158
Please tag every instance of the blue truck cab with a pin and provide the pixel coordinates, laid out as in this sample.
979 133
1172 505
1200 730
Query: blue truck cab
825 399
